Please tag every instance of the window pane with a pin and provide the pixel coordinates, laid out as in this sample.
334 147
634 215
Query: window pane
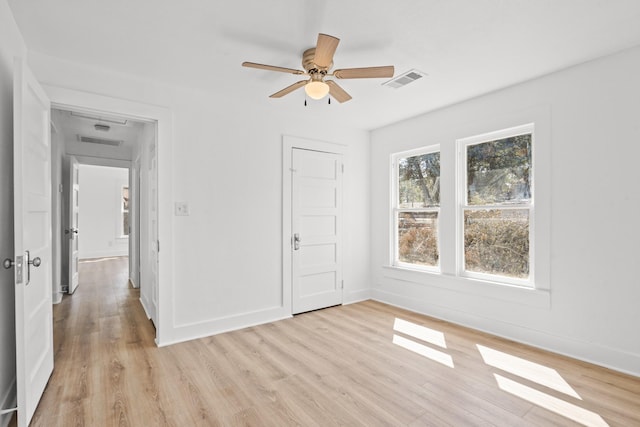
497 242
499 172
125 198
419 181
125 223
418 238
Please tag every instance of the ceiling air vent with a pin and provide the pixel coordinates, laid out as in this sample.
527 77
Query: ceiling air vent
404 79
101 141
114 120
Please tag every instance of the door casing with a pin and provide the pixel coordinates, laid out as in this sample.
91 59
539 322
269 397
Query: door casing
288 144
70 99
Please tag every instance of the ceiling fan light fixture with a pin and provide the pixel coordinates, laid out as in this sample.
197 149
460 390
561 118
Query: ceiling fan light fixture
316 89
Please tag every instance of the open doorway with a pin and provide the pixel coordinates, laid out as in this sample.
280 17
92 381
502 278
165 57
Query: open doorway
103 226
104 177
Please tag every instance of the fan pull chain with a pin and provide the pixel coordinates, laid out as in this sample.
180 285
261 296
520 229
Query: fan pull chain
305 102
329 101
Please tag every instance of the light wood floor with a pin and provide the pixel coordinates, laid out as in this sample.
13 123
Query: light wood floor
339 366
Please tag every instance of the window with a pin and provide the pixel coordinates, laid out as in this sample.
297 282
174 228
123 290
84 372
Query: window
496 206
124 210
416 206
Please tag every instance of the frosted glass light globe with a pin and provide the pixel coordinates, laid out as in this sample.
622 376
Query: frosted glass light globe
316 90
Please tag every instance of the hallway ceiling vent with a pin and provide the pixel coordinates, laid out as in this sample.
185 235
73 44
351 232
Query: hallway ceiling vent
101 141
404 79
114 120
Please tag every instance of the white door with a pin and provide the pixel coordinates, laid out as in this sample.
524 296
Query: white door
316 221
32 233
72 231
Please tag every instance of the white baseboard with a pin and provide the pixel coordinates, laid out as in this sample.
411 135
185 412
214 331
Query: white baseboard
57 297
193 331
607 357
351 297
103 254
144 304
7 401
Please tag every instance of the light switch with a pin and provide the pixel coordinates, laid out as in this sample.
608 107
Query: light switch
182 208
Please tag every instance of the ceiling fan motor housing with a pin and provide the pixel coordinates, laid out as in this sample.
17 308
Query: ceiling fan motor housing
310 66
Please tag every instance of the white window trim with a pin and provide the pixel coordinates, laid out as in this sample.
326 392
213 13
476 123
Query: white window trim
461 205
448 280
394 255
121 211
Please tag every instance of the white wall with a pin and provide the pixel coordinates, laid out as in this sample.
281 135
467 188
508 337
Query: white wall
224 159
593 137
11 44
99 212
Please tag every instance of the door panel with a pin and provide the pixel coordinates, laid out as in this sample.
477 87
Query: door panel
32 234
316 214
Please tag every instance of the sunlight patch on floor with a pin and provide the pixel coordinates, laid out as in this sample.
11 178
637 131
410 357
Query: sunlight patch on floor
531 371
423 350
553 404
420 332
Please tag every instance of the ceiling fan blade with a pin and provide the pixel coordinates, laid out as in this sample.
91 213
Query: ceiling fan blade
325 48
364 73
337 92
289 89
272 68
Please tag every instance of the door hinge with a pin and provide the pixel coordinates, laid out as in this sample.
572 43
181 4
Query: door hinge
343 168
158 245
342 284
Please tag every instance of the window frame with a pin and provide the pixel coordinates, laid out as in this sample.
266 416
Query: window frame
462 205
122 210
395 210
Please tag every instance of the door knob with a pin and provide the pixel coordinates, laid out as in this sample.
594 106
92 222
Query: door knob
35 262
8 263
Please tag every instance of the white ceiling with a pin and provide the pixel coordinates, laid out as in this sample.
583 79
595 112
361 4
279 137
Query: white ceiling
467 47
72 125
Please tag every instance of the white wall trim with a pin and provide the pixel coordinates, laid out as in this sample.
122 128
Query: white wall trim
608 357
57 297
478 288
104 254
351 297
192 331
163 116
288 144
144 303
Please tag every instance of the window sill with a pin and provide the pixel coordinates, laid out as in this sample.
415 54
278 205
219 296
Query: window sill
531 297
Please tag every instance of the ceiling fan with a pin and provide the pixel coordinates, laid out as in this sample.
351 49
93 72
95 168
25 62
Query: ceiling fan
317 62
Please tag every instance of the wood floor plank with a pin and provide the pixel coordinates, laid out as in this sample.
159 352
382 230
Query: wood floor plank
345 365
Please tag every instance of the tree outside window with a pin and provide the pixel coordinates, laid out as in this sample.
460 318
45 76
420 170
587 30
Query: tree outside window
416 208
497 206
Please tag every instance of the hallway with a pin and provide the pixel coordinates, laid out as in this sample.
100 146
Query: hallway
97 327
